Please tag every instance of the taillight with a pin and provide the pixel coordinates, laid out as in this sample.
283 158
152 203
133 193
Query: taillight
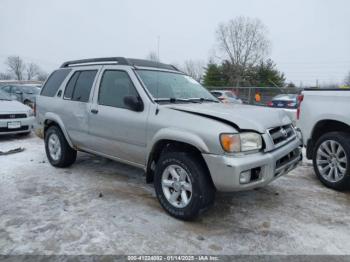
221 98
300 99
292 104
34 109
269 103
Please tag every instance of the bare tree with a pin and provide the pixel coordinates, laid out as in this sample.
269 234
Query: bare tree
193 68
41 75
347 80
16 66
152 56
32 71
5 76
243 43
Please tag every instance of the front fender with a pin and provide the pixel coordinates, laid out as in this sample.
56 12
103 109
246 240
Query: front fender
55 118
179 136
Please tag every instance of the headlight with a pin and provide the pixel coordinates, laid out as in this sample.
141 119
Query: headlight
30 113
242 142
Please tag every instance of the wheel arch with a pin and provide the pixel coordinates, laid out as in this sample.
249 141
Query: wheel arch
322 127
54 120
171 143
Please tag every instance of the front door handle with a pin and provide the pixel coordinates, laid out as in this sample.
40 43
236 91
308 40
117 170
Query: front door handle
94 111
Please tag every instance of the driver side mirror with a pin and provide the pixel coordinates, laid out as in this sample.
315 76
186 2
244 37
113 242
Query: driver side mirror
133 103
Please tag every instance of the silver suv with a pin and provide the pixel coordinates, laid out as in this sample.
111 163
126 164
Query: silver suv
152 116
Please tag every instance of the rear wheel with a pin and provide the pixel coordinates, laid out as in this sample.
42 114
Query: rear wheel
331 160
183 185
58 151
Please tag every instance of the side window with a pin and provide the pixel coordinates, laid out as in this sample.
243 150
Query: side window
79 85
83 86
54 82
68 92
7 89
115 85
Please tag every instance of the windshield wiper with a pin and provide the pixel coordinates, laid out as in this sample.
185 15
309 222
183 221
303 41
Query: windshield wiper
175 100
201 100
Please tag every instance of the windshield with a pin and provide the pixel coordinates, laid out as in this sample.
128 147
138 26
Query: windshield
4 96
163 84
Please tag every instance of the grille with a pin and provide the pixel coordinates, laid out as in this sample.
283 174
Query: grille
288 162
12 116
5 129
287 158
281 134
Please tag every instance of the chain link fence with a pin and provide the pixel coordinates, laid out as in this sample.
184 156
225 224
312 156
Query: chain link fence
249 94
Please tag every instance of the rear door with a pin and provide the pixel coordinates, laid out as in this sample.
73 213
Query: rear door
117 131
76 105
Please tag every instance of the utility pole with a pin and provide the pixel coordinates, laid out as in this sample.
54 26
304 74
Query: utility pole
158 46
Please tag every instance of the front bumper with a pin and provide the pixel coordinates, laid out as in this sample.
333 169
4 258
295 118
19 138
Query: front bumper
225 170
26 125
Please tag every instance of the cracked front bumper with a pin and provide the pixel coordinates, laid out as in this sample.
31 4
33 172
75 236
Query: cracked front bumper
225 170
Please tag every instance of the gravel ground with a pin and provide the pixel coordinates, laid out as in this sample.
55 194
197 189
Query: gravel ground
102 207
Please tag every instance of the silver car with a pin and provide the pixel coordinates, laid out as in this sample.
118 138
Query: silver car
15 118
152 116
23 93
226 96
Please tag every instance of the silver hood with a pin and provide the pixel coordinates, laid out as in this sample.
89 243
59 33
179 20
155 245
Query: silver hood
248 117
12 107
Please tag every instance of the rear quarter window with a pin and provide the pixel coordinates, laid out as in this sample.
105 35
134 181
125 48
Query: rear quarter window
54 82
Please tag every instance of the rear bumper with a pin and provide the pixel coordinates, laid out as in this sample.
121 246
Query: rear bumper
225 170
27 125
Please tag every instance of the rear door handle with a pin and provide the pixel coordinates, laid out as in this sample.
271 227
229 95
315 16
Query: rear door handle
94 111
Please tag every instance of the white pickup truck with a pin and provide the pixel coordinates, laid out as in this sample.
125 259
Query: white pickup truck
324 120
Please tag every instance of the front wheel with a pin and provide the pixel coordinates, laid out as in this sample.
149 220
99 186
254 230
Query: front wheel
331 160
58 151
183 186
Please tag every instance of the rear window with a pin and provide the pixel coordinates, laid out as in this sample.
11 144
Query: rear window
54 82
230 94
216 94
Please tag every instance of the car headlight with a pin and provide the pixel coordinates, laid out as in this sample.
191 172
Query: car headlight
243 142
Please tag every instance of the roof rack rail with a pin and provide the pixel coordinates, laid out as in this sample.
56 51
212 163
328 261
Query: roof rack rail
119 60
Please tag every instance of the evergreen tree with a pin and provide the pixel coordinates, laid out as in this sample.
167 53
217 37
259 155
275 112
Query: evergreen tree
214 76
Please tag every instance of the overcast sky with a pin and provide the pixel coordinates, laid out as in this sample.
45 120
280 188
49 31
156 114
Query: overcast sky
310 38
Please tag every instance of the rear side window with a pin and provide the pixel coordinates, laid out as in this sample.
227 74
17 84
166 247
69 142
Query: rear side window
54 82
79 86
115 85
68 92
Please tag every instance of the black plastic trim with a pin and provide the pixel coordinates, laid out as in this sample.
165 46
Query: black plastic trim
119 61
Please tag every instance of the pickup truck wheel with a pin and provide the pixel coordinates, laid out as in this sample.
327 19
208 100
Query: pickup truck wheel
331 160
182 185
58 151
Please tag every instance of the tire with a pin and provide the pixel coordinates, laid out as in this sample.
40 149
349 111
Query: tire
66 156
202 193
331 160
